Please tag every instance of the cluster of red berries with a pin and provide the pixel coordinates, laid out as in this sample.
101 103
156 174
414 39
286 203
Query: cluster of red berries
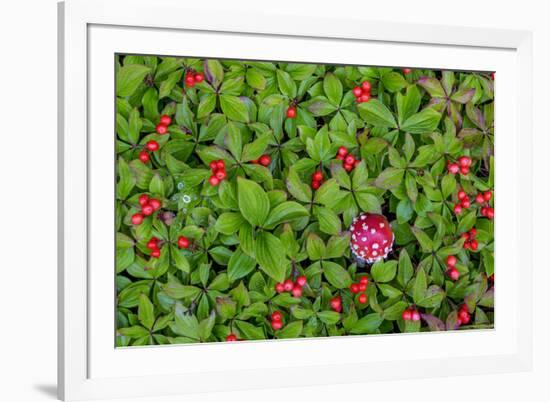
360 287
276 320
348 159
192 77
407 71
483 200
150 146
218 172
470 239
464 202
362 93
164 122
291 112
317 179
154 245
463 315
296 288
148 206
451 268
263 160
463 165
231 338
410 314
183 242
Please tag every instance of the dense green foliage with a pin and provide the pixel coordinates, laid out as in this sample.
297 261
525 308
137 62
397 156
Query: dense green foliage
262 224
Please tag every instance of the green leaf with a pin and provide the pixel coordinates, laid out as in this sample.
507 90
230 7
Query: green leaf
394 82
286 84
336 275
271 256
425 121
390 178
315 247
146 313
329 317
377 114
253 201
384 271
207 105
395 311
466 222
405 271
328 220
129 77
432 86
234 108
240 265
420 285
249 331
255 149
213 71
333 89
285 212
292 330
229 222
234 140
298 189
368 324
425 242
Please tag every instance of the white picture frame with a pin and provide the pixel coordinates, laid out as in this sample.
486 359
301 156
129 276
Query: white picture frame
90 32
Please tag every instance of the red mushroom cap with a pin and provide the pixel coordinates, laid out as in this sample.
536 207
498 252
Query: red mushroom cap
371 238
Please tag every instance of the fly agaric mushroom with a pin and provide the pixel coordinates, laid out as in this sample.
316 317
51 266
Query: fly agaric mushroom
371 238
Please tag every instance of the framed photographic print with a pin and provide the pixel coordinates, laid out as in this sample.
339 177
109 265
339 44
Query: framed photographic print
242 200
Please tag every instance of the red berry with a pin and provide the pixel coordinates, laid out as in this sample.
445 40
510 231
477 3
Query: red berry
464 170
354 288
301 280
276 325
493 76
415 315
213 166
362 298
155 253
464 317
364 98
473 244
265 160
155 203
161 129
214 181
342 151
165 120
297 291
366 86
407 71
406 315
362 287
183 242
199 77
348 167
490 213
147 210
315 184
220 174
220 164
279 287
276 316
189 80
487 195
465 236
453 168
472 233
479 198
451 260
336 303
461 194
144 156
350 160
291 112
457 209
143 199
231 338
364 280
465 203
317 176
484 211
152 243
288 284
340 157
137 218
467 245
357 91
464 161
454 274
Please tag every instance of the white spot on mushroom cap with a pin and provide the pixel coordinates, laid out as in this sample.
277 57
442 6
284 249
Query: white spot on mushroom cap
363 217
381 225
375 246
373 230
355 246
363 239
374 253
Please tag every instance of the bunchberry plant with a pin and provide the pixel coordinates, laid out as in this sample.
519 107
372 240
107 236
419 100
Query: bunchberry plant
269 200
